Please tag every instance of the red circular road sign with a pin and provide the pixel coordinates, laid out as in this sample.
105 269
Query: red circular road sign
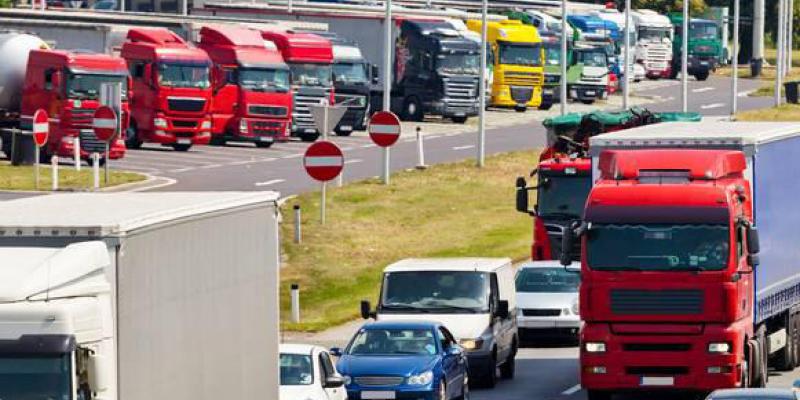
105 123
384 128
323 161
41 127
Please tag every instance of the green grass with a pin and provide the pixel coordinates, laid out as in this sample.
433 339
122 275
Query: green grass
22 178
784 112
445 211
767 73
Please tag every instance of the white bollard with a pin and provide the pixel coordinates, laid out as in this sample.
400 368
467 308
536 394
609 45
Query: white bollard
295 294
298 236
96 170
340 179
76 145
54 172
420 150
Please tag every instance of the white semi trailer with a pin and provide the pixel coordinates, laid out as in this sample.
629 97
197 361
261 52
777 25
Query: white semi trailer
139 296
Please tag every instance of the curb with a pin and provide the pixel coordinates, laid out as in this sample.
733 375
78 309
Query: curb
151 182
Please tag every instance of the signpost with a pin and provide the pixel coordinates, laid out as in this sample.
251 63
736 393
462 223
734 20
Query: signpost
106 129
323 162
41 131
384 130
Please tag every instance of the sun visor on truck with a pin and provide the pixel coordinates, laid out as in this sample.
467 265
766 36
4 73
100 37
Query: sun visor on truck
38 344
628 214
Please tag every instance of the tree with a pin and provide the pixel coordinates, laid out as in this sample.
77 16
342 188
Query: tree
666 6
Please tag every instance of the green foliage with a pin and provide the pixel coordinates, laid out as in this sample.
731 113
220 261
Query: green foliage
665 6
5 3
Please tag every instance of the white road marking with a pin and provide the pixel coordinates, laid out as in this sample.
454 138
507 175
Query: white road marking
464 147
182 170
354 161
270 182
713 105
745 93
703 89
293 155
245 162
209 166
572 390
432 136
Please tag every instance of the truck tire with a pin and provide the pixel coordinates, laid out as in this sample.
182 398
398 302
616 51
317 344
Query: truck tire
785 357
309 137
45 156
545 106
263 145
521 109
508 368
673 73
412 109
7 147
795 321
132 140
217 140
587 102
758 371
598 395
459 120
342 133
181 147
701 76
490 373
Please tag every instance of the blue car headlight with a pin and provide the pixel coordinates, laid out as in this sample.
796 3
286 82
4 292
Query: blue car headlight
422 379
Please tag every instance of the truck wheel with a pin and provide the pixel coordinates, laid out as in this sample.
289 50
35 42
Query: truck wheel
673 73
490 374
508 368
459 120
342 133
132 140
263 145
181 147
520 109
45 156
587 101
217 140
309 137
795 321
785 357
412 110
598 395
7 147
546 106
758 370
701 76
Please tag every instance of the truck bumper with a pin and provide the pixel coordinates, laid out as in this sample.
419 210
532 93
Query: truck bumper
182 130
260 130
660 359
701 64
354 119
580 92
450 110
516 96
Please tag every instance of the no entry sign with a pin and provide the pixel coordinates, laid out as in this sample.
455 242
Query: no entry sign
384 128
323 161
105 123
41 127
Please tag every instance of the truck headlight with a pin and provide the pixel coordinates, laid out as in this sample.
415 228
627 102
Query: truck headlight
719 347
159 122
205 124
421 379
243 126
595 347
471 344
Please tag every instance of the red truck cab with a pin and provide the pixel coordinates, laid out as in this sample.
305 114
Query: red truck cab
67 86
252 99
310 59
172 87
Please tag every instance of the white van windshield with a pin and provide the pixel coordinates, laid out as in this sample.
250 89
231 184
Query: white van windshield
438 292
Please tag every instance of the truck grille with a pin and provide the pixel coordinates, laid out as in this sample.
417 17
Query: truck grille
378 380
461 92
541 312
90 143
81 118
184 124
268 111
529 79
657 371
657 346
656 302
301 114
186 104
266 128
521 95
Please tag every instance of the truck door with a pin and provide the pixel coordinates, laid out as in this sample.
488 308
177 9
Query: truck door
419 77
144 101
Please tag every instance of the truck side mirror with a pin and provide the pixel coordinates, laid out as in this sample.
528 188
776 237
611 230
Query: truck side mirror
149 76
366 312
57 81
522 197
97 370
502 309
220 79
753 260
566 244
375 74
753 245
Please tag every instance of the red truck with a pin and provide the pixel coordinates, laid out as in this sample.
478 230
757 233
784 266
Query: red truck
172 90
251 99
310 59
689 274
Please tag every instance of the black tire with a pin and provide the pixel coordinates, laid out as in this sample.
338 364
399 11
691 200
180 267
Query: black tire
181 147
508 368
598 395
520 109
309 137
343 133
7 147
546 106
795 321
217 140
587 102
490 373
45 156
459 120
412 109
673 73
263 145
785 357
758 375
442 395
464 388
701 76
132 140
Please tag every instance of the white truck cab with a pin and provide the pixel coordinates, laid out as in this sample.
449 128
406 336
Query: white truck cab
474 298
654 33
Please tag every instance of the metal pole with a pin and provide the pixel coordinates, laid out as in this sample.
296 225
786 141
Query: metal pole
35 165
482 89
322 203
787 55
290 6
626 91
758 29
298 234
420 150
295 295
563 82
105 166
386 164
735 60
778 56
96 170
54 173
76 152
185 6
685 57
387 57
790 37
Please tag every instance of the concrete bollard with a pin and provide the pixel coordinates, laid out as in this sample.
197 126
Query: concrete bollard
295 303
420 150
96 170
54 173
298 237
76 145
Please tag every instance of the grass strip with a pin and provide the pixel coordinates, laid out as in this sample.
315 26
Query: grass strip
22 178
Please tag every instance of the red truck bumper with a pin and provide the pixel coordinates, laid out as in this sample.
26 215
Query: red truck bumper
180 137
67 150
660 360
262 130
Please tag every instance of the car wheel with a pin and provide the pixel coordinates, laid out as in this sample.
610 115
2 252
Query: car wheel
442 391
490 375
459 120
132 140
508 368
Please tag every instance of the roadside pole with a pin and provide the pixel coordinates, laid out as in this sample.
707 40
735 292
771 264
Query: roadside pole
685 57
482 90
758 30
778 56
735 60
790 37
387 79
563 83
626 91
185 7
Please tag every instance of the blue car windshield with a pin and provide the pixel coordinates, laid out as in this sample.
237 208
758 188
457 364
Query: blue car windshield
368 342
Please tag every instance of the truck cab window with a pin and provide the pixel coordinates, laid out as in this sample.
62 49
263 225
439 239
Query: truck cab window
48 79
137 70
494 291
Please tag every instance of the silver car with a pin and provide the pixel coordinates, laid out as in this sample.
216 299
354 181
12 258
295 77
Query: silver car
547 299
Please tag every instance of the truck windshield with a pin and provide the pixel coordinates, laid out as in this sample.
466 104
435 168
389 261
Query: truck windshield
378 341
435 291
464 64
183 75
265 80
527 54
653 34
703 30
296 369
547 280
35 377
87 86
592 58
311 74
563 196
658 247
552 54
350 73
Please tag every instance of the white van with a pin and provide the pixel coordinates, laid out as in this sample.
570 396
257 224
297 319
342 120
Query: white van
473 297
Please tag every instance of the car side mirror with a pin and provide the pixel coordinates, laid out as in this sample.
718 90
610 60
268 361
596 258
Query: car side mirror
336 351
366 310
97 371
334 381
502 309
454 350
753 244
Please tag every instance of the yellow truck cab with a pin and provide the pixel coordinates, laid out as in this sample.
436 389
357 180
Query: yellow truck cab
518 59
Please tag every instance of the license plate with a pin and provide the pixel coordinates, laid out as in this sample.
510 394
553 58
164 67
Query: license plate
460 114
703 62
346 128
377 395
657 381
548 91
310 130
590 93
184 141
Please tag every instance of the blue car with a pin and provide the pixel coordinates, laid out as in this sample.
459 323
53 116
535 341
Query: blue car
403 360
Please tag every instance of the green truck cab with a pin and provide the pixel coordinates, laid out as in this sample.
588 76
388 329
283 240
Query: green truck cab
704 47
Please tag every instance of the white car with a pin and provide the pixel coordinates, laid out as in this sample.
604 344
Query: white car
308 373
547 299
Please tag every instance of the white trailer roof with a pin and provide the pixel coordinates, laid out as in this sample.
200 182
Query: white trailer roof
448 264
698 134
110 214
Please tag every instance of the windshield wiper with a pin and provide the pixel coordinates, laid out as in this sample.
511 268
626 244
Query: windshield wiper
690 268
560 215
405 306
